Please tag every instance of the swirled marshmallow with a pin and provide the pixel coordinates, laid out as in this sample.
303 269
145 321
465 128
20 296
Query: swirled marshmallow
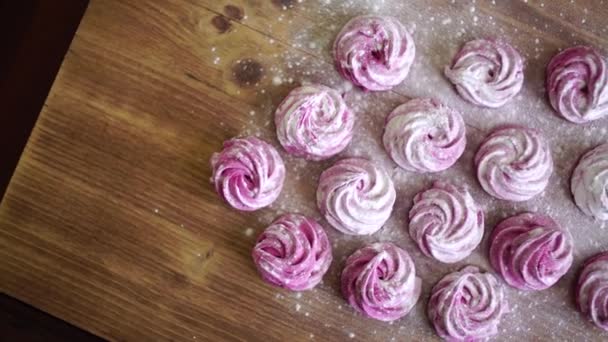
487 72
531 251
380 281
577 84
446 223
467 305
314 122
356 196
374 53
514 163
248 173
293 253
592 290
589 183
424 135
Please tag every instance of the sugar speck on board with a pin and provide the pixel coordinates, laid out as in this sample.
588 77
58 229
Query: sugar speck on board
298 306
249 231
351 335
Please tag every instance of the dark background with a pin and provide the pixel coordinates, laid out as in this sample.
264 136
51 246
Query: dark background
35 35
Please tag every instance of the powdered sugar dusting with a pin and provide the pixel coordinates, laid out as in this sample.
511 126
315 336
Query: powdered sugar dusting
438 34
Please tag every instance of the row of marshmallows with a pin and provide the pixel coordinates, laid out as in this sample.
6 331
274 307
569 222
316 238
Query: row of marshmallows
530 251
356 197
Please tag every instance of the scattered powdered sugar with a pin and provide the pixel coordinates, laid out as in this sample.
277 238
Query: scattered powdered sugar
438 33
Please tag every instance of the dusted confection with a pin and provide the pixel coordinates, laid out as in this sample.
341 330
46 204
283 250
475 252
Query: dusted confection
592 290
424 135
487 72
446 223
356 196
530 251
514 163
293 253
590 183
577 84
314 122
467 305
248 173
380 281
374 53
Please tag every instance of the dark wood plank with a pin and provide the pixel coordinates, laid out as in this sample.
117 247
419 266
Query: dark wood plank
24 323
35 35
29 30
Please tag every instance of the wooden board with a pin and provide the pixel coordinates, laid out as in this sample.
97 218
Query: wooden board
110 222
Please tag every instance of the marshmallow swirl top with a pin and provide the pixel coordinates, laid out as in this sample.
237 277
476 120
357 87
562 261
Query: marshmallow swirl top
514 163
577 84
467 305
374 52
356 196
248 173
293 253
424 135
380 282
592 290
487 72
446 223
314 122
531 251
589 183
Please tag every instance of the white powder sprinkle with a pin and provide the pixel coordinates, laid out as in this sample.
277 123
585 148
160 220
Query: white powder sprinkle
436 44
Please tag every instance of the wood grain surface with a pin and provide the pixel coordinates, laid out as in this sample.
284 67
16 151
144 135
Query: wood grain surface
110 222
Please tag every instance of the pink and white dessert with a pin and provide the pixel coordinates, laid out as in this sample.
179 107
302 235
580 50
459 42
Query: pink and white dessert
293 253
380 281
314 122
589 183
248 173
487 72
592 290
356 196
514 163
577 81
467 305
446 223
374 53
531 251
424 135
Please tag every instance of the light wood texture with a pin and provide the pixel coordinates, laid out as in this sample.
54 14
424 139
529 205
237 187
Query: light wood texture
110 222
